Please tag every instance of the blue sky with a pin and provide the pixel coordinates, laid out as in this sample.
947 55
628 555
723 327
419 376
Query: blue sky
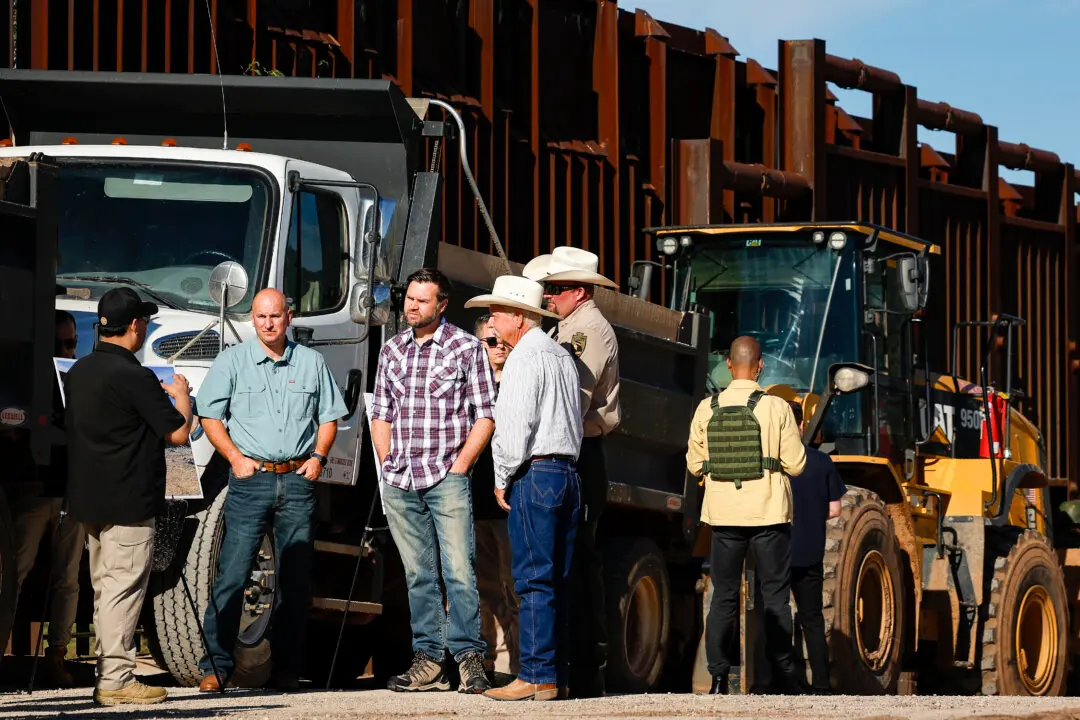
1011 62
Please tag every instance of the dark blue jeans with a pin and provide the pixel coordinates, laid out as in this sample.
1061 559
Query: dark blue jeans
545 502
286 503
433 530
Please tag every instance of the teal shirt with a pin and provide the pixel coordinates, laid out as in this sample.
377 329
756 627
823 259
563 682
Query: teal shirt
273 409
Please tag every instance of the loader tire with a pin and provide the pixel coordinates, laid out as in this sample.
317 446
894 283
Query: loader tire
8 572
177 634
862 596
1025 638
639 600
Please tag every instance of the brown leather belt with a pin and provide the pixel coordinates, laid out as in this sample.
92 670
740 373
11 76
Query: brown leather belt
281 467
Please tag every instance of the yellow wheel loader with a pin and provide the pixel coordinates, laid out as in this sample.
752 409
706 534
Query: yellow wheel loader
941 569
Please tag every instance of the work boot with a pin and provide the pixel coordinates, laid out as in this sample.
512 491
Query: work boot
134 693
54 670
425 674
521 690
473 678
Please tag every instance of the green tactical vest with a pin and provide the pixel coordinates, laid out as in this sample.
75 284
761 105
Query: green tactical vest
735 443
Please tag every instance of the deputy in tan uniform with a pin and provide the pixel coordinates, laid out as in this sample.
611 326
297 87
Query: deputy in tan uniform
749 515
569 276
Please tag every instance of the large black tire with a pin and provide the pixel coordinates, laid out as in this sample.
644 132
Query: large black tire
639 600
177 635
1026 636
862 597
8 572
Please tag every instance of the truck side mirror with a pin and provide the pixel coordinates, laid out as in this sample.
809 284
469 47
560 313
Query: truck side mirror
369 306
911 279
640 280
371 247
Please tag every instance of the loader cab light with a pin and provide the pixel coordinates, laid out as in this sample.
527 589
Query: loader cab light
69 141
686 241
850 378
119 141
837 240
819 237
244 147
668 245
168 142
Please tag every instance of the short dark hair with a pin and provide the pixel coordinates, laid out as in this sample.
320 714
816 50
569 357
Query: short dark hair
63 316
481 322
796 410
431 275
111 330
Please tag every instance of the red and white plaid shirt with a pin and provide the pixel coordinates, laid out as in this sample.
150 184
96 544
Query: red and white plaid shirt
432 395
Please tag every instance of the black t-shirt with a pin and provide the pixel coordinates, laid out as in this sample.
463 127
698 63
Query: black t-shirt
117 419
811 492
485 506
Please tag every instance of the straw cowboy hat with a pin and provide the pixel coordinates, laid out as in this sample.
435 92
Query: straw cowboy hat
567 264
516 292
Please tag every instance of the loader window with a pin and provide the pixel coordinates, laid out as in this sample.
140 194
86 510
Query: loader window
316 257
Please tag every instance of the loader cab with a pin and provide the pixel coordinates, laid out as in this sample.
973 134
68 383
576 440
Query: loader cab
813 295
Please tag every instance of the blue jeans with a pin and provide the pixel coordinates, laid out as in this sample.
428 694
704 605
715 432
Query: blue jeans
545 504
285 502
434 527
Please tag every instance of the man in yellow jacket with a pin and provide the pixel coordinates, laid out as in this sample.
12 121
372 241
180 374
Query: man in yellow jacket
746 443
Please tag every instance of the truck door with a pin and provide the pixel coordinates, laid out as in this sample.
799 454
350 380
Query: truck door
315 274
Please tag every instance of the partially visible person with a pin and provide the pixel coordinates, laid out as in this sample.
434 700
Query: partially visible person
570 278
37 513
535 448
494 578
431 419
745 444
282 405
816 496
119 418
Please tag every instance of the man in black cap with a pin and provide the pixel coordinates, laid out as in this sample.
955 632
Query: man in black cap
118 419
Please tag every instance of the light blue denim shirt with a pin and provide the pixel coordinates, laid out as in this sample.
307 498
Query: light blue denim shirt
272 409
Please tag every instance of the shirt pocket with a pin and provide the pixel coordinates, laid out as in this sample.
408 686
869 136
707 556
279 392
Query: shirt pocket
442 380
300 397
248 399
395 380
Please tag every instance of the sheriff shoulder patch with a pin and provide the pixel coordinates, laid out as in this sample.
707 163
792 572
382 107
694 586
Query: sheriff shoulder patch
578 343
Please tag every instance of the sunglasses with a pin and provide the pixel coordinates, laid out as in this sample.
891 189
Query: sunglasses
553 289
493 342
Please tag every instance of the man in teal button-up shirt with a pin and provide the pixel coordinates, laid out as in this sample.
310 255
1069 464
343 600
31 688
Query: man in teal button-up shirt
282 406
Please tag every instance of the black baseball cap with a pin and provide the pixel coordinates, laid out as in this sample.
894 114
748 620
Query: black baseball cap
119 306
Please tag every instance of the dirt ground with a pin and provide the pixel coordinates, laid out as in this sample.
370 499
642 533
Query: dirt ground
346 705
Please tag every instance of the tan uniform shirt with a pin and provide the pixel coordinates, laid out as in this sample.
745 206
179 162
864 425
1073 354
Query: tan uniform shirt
588 336
766 501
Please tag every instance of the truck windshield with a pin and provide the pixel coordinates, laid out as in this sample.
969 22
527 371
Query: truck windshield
774 288
161 227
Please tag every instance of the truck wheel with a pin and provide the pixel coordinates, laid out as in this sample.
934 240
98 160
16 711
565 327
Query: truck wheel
639 598
178 637
862 596
1025 639
8 573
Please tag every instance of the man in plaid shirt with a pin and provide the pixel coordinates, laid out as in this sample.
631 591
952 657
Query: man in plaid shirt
432 416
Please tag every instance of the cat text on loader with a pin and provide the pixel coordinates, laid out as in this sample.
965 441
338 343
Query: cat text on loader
941 568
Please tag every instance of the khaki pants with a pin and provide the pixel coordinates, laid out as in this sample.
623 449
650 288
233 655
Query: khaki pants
495 584
33 518
120 560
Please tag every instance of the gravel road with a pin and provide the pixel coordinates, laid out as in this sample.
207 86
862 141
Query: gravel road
346 705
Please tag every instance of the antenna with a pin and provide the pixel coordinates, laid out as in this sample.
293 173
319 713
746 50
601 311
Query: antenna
221 81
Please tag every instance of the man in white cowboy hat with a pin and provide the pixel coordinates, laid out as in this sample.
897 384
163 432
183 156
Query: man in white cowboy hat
535 447
570 276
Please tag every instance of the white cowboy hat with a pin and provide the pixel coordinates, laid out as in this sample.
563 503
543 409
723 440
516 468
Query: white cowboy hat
567 264
516 292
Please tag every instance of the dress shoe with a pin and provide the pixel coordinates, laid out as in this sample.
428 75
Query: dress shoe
209 684
521 690
719 686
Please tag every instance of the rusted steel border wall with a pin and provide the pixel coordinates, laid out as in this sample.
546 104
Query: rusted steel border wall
587 122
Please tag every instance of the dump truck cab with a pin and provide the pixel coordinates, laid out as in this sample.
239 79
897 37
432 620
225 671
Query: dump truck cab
940 501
